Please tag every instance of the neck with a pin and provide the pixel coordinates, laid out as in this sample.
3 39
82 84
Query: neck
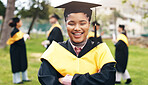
79 45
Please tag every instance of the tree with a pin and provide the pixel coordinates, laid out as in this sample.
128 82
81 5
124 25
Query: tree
40 10
2 12
2 9
139 8
6 29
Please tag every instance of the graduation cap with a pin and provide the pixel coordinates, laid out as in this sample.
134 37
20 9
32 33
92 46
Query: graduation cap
55 16
78 7
95 22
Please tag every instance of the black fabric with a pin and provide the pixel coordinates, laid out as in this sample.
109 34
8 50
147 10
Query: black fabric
18 54
47 75
121 56
15 30
99 39
55 35
105 77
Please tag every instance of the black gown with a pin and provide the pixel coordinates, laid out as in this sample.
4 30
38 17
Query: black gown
121 56
18 54
55 35
99 38
47 74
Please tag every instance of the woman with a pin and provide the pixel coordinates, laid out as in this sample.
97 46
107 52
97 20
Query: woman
78 61
18 52
121 56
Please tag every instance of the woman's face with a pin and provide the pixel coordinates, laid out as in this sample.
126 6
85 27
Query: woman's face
77 27
19 24
119 29
52 20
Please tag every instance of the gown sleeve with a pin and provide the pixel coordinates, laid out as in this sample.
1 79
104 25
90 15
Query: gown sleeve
105 77
47 75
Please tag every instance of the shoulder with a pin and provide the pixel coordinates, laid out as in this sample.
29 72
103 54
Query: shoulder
64 44
56 28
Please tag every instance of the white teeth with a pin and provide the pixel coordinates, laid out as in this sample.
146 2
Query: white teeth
77 33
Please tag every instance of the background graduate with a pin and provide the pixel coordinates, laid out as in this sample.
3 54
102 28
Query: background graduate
55 32
18 52
121 56
91 34
78 61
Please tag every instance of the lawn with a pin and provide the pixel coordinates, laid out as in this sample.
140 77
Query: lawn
137 65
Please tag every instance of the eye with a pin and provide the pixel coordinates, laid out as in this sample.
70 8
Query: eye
82 23
71 23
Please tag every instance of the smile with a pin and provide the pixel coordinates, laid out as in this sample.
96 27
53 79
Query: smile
78 34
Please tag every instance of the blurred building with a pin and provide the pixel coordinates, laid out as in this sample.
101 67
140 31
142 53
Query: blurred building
131 18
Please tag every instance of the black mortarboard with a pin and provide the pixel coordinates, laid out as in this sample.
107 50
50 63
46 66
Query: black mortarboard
55 16
95 22
77 6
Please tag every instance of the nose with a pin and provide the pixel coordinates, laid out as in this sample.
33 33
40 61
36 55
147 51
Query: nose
77 28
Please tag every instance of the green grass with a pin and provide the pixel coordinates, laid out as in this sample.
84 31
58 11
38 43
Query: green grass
137 65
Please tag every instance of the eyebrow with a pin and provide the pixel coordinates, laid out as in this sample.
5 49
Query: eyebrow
83 21
79 21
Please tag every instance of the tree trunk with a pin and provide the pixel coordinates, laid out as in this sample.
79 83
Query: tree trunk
6 29
33 20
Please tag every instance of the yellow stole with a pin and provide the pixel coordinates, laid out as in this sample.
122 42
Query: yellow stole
123 38
55 25
17 36
92 34
67 63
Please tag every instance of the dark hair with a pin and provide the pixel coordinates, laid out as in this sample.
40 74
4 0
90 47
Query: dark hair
88 12
54 16
95 22
13 22
123 28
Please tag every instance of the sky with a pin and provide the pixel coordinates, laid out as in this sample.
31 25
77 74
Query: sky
53 2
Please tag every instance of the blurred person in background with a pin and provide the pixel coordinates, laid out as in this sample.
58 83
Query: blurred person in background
91 34
121 56
18 52
55 32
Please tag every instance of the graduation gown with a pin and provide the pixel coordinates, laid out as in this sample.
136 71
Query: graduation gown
17 51
55 34
83 68
121 53
91 37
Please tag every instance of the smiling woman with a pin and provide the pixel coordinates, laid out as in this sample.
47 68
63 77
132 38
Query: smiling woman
78 61
77 27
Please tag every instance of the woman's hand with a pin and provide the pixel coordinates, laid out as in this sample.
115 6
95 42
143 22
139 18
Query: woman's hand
66 80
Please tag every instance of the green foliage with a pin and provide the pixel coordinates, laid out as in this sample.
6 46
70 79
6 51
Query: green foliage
42 13
2 9
124 1
44 10
145 15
